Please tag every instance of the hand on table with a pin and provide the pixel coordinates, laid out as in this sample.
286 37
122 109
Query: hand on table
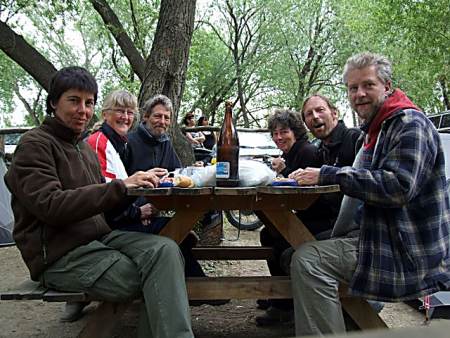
141 179
278 164
160 172
308 176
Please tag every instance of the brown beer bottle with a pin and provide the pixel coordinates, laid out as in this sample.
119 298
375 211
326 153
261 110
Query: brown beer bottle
227 166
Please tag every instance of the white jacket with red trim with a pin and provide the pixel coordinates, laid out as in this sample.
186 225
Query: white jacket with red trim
110 161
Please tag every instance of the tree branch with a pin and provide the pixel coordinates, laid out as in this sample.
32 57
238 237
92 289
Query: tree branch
26 56
127 46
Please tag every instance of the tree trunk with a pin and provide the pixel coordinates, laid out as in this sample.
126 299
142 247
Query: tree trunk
166 66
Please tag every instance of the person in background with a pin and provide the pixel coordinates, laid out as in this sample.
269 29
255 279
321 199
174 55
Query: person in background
58 199
210 137
196 139
391 239
290 136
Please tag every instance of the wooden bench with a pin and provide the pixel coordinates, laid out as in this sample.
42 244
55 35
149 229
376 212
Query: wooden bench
105 317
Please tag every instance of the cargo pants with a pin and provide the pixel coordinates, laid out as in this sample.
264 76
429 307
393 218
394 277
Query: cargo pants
123 265
316 270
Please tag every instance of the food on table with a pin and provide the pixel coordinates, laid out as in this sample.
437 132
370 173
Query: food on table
183 181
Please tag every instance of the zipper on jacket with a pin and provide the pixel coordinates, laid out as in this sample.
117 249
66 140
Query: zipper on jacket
80 156
90 178
44 245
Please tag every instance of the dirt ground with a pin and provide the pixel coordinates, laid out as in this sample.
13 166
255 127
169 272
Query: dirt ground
236 319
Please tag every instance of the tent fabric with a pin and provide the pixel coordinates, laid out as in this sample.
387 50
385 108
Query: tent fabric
6 214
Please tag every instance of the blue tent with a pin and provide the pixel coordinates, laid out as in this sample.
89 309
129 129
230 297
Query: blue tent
6 214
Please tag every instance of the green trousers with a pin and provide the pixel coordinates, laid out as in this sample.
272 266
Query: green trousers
123 265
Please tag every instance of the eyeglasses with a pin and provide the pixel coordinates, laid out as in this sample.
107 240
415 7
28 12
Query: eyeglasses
122 112
189 117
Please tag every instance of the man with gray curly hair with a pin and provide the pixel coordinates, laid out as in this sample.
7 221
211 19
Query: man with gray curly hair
149 146
393 243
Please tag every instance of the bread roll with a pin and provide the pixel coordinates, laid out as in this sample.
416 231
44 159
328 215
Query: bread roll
183 181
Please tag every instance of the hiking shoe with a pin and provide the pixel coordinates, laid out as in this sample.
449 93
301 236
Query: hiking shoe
262 304
73 311
275 316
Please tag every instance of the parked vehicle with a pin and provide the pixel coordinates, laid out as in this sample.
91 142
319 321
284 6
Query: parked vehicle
441 121
11 141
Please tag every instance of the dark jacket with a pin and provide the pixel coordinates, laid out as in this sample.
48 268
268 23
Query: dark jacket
302 154
342 147
340 151
57 195
145 152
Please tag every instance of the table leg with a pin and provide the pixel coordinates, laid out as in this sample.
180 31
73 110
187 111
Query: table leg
181 223
288 224
362 313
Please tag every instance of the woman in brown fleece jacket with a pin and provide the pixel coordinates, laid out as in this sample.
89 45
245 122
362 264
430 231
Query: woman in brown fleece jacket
58 197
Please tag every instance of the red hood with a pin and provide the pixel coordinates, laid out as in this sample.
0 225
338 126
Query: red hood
395 102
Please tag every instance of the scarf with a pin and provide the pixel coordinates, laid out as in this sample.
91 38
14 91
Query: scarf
119 142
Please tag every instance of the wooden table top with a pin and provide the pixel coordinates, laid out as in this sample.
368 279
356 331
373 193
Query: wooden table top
238 191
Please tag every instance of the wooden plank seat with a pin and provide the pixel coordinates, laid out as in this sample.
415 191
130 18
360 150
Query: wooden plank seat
199 288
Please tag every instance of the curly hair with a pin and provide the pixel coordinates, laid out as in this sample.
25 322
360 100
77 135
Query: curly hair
154 101
286 118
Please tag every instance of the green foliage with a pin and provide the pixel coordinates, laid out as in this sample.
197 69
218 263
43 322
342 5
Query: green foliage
415 35
280 50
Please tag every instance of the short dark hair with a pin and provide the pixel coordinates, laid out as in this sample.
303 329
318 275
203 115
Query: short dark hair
187 117
323 97
286 118
201 119
70 78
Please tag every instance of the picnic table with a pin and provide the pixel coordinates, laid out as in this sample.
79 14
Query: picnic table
274 206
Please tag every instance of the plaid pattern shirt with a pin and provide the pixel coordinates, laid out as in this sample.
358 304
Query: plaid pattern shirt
404 219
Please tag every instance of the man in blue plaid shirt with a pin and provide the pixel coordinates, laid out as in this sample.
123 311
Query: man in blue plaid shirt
391 240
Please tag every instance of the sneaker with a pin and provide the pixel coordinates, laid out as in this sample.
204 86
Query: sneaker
262 304
191 240
275 316
73 311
